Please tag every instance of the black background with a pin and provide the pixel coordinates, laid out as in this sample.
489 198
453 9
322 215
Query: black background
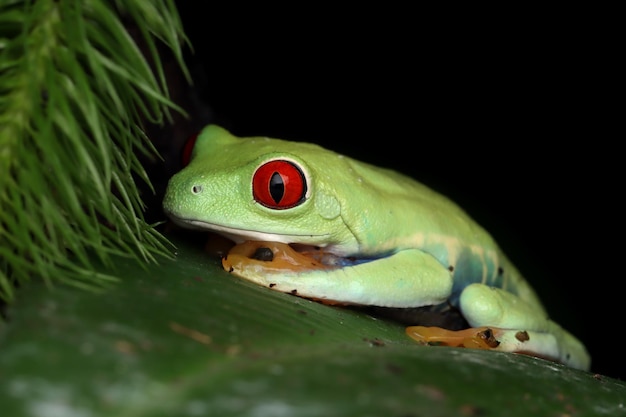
509 118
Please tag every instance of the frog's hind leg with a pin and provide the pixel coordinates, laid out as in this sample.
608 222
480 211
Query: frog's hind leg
503 321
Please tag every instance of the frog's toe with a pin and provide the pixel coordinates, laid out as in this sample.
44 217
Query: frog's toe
474 338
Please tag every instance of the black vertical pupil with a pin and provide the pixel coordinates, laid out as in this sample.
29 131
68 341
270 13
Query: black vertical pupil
277 187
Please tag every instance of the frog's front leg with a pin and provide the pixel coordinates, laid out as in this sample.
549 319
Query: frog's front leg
503 321
409 278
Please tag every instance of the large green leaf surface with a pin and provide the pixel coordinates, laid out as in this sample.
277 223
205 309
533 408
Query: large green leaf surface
185 338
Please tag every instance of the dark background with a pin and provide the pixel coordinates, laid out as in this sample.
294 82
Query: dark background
509 119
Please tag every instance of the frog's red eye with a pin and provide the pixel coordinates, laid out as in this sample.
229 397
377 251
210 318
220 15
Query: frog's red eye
186 156
279 184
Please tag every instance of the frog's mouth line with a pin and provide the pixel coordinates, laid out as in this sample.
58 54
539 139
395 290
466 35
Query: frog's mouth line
241 235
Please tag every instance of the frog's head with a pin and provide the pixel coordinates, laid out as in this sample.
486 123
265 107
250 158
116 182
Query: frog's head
261 189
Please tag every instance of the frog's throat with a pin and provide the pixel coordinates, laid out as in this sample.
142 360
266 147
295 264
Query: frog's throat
241 235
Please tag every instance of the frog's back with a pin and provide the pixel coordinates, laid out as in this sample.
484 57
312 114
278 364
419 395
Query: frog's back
408 214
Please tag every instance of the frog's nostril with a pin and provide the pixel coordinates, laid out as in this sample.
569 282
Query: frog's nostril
196 189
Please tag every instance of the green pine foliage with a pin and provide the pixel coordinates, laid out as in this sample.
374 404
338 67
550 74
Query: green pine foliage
75 89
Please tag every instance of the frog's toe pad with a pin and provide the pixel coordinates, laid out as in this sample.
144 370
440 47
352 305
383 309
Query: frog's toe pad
474 337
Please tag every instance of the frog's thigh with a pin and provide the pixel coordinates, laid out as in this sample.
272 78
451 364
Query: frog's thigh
520 327
409 278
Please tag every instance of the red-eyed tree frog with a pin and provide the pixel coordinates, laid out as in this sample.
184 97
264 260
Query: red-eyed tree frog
320 225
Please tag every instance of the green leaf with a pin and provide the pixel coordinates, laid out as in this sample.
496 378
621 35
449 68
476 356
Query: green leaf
186 338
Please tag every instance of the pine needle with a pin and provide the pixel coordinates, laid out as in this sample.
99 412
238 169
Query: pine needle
75 89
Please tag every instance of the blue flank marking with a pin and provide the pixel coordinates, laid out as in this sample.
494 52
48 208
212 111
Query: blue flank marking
469 270
352 261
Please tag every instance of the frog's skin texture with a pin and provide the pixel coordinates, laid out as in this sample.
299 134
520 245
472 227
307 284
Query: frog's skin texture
407 245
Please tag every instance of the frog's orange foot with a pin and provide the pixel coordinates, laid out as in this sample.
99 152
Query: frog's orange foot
253 257
474 337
